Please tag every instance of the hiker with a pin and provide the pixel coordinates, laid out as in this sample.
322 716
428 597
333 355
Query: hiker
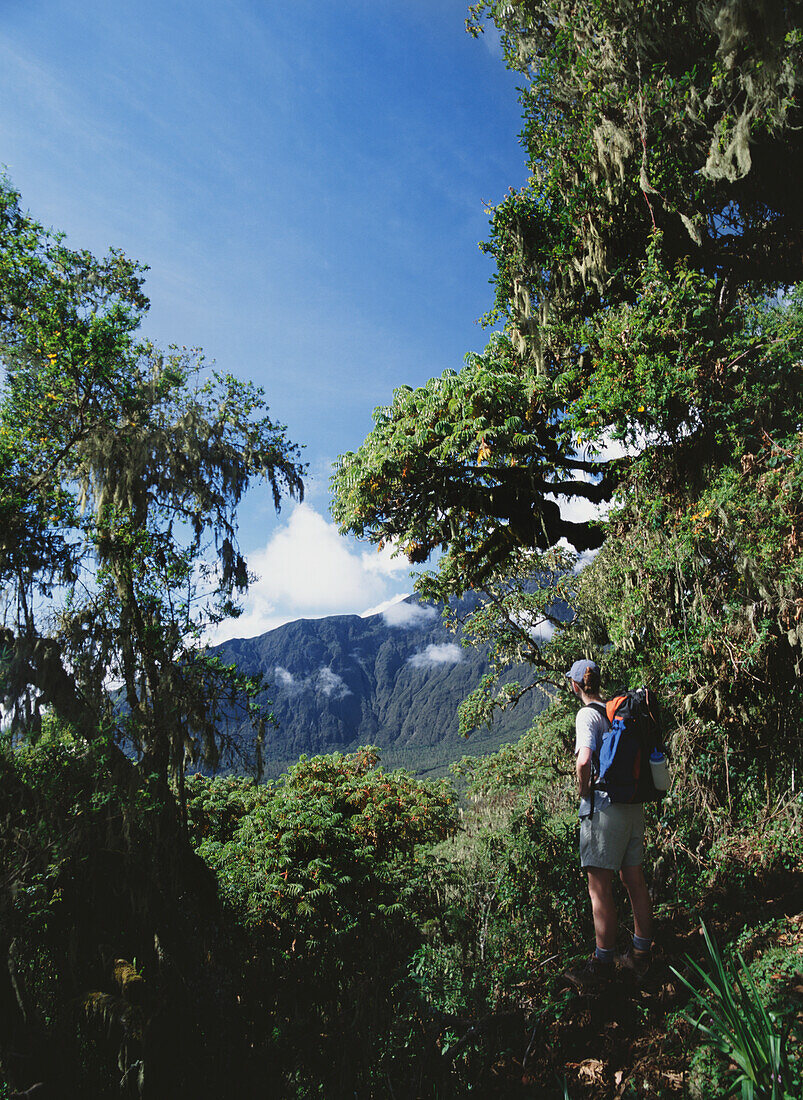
611 841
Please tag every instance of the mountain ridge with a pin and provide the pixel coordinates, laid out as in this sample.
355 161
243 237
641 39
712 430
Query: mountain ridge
394 679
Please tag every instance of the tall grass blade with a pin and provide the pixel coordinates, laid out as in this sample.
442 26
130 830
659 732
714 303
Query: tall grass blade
730 1013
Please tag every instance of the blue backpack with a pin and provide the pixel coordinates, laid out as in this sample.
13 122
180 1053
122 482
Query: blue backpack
624 757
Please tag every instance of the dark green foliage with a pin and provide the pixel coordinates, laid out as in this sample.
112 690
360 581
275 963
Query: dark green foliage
323 872
514 899
463 464
110 973
121 974
677 116
698 585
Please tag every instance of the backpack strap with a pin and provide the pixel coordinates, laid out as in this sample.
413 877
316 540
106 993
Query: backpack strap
600 709
652 709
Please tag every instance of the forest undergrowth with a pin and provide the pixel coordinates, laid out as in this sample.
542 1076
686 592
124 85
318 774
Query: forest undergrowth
635 1039
348 931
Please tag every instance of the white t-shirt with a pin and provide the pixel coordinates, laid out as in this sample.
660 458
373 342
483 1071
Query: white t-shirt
590 724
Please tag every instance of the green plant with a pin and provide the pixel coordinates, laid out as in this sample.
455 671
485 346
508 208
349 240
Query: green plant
736 1022
121 471
325 875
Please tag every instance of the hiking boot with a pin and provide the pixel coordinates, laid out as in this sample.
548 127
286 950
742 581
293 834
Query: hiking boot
636 963
592 976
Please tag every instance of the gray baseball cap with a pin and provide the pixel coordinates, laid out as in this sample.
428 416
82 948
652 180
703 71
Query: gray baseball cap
578 670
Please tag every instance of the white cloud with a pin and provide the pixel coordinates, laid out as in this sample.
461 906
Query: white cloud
542 632
580 510
382 607
447 653
610 449
384 563
582 560
331 684
324 680
308 570
407 615
616 448
577 509
539 629
585 559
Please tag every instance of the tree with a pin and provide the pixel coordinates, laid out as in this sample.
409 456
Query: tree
467 464
665 118
643 281
121 468
329 875
681 117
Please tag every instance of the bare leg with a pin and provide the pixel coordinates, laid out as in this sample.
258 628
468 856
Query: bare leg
600 889
640 903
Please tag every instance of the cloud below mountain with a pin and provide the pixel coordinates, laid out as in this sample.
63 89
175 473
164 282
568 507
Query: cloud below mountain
332 685
285 678
325 680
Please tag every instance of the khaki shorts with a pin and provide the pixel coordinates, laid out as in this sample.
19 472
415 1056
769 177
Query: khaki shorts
613 837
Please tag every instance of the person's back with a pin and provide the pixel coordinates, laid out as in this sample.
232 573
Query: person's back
611 841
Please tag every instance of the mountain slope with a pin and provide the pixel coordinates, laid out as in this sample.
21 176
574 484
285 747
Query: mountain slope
394 680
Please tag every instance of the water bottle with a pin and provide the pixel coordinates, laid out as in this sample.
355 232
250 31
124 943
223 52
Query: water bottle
660 770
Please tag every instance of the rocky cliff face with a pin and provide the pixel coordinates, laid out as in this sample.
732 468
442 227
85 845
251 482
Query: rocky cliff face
394 680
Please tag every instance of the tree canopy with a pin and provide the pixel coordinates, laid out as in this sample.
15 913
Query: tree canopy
469 464
681 117
121 468
649 357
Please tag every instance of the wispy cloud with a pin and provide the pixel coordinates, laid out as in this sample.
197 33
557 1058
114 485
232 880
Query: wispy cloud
408 615
492 40
436 656
331 684
50 98
325 680
285 678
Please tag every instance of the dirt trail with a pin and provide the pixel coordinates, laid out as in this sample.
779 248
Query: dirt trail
629 1042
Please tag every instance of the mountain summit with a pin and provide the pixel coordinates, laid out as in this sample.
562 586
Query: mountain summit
394 679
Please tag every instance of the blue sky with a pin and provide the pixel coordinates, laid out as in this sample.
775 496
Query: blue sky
306 182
